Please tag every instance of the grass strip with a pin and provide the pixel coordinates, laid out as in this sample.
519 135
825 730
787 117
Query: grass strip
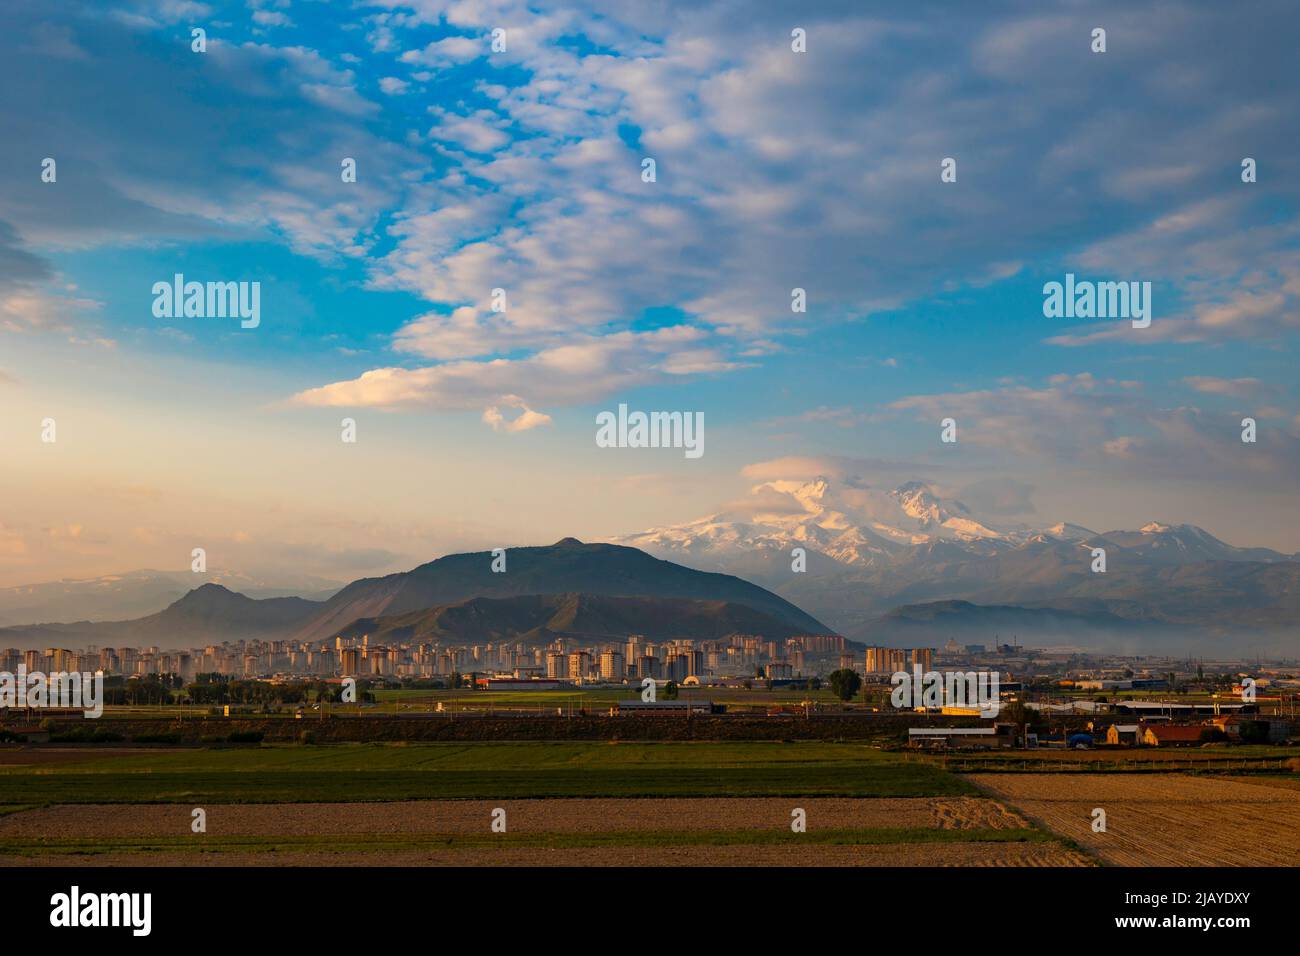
362 786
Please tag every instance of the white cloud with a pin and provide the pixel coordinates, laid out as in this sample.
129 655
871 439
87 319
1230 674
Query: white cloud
526 419
446 52
569 374
1236 387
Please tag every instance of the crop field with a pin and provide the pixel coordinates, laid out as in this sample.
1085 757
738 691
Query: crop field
1238 758
472 817
564 803
596 803
1162 819
488 771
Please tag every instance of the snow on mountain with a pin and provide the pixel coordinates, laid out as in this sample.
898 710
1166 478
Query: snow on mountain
853 526
873 550
1070 532
869 527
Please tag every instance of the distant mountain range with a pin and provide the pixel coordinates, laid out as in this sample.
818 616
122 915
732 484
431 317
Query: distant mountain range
588 591
116 597
877 557
897 566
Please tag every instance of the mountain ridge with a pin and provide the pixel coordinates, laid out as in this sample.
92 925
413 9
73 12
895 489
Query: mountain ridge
873 550
213 613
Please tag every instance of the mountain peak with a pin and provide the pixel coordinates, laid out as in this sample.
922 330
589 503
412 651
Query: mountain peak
1155 527
810 495
1065 529
209 597
567 543
920 502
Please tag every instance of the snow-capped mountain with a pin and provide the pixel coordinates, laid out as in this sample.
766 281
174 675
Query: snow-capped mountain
872 550
854 526
859 526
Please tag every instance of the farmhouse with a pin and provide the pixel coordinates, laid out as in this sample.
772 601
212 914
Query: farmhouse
1118 734
1175 735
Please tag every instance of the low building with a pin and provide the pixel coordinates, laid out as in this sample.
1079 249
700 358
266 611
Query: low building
510 683
1279 728
676 708
1118 734
961 738
1173 735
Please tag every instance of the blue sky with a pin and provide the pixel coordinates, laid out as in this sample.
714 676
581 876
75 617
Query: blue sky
520 169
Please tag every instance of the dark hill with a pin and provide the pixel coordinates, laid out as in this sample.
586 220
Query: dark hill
586 618
566 567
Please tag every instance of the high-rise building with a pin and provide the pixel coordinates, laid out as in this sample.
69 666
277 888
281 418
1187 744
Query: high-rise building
579 664
678 665
557 665
611 665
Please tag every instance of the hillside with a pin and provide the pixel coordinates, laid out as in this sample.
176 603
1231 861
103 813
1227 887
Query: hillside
208 614
584 618
566 567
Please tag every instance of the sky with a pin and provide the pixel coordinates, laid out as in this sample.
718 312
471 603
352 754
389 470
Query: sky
522 169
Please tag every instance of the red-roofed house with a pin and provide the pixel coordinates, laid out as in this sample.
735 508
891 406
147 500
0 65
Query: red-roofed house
1176 735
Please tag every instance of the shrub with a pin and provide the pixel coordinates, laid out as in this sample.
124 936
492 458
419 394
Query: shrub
156 739
86 736
1254 732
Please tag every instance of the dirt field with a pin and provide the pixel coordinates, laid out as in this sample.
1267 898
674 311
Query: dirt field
110 835
950 854
523 816
1161 819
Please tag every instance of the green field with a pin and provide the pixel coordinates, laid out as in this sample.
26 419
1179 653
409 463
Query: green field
378 772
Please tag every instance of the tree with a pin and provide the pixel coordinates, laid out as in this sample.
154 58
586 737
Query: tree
1254 732
1015 712
845 683
670 691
